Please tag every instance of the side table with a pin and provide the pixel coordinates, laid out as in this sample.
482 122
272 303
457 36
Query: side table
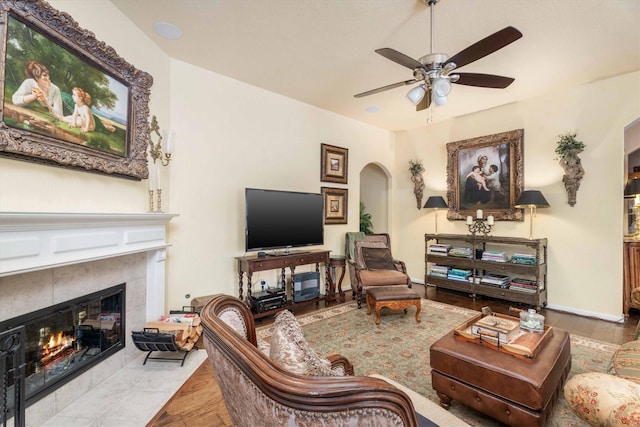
337 261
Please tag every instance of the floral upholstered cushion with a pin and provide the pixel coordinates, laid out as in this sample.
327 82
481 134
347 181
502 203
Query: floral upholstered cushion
290 350
604 400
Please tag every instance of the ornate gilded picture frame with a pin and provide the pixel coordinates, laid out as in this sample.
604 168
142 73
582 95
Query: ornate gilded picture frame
335 205
486 173
68 99
334 164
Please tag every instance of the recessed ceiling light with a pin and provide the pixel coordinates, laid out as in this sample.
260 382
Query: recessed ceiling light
372 109
167 30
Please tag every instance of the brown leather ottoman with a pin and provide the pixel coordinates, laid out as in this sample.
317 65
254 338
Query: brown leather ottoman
513 391
393 297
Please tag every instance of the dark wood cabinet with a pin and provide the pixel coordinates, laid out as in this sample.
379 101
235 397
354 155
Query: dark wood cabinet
478 244
250 264
631 256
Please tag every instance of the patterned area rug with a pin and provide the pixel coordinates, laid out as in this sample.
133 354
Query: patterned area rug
399 349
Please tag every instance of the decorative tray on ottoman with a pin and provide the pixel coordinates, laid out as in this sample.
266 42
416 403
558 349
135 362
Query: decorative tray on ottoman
502 333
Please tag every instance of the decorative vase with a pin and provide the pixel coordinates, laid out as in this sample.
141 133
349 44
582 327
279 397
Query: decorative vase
573 173
418 188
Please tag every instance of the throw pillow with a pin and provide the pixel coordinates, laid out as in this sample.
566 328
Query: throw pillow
378 259
290 350
365 244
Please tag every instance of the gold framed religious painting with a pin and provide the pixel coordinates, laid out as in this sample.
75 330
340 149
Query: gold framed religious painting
68 99
486 173
335 205
334 164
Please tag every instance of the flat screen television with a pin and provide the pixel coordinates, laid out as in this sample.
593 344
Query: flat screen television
283 219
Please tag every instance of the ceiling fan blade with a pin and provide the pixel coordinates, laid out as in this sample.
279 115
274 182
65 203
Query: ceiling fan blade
426 101
485 46
383 88
399 58
484 80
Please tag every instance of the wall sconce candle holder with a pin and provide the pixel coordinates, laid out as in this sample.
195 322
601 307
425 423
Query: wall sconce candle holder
156 148
160 148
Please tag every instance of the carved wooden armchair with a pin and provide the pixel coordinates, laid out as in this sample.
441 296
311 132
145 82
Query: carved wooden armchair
257 391
372 264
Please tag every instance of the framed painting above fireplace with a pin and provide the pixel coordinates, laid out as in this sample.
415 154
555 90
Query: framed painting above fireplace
68 99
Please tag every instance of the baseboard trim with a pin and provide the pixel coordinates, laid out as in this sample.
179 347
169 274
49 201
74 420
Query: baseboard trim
585 313
570 310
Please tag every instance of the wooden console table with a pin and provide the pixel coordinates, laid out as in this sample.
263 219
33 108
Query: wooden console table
250 264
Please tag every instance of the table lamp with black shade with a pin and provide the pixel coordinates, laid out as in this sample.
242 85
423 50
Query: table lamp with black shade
436 202
531 199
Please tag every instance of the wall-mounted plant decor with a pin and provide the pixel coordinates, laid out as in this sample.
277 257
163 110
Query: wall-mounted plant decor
416 169
567 150
48 66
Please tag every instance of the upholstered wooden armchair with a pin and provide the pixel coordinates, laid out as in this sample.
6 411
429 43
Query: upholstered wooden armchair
372 264
259 391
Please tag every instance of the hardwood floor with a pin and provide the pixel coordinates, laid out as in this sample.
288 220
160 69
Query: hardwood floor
199 401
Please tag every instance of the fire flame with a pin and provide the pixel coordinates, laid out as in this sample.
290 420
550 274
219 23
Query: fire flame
57 342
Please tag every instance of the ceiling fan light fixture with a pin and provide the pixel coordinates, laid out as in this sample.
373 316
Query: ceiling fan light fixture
441 87
440 100
416 94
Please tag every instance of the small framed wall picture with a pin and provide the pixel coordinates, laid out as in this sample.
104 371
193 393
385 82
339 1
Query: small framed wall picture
335 205
334 164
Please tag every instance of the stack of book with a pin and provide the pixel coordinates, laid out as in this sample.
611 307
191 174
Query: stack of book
527 259
494 256
523 285
461 252
439 271
499 328
459 274
498 280
439 249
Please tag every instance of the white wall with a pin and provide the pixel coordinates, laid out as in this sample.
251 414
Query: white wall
232 136
585 241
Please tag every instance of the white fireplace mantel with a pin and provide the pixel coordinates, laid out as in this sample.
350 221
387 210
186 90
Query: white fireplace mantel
35 241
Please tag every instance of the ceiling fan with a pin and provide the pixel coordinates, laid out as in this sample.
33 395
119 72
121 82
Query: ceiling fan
433 72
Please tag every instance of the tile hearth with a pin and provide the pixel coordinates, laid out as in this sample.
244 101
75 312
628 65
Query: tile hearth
131 397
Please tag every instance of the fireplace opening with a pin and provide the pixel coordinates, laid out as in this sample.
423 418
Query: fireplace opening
64 340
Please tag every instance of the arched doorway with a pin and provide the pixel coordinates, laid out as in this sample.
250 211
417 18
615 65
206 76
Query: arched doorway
375 194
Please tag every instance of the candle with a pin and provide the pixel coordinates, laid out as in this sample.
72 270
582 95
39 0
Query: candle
151 187
169 141
469 220
637 201
490 220
479 214
158 177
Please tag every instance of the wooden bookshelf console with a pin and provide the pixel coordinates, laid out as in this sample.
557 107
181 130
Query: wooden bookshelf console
250 264
536 272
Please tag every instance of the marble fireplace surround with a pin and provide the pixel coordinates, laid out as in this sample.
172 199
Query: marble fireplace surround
48 258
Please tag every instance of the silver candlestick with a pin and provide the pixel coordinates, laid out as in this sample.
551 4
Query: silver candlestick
150 200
